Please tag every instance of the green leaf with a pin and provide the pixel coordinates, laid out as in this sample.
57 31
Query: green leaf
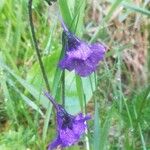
66 11
80 91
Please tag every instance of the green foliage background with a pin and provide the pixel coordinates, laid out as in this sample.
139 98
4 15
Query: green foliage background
120 120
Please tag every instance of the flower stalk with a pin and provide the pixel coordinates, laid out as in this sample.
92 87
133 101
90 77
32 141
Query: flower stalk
36 46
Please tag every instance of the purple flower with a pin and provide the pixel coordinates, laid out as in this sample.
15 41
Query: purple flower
79 55
69 127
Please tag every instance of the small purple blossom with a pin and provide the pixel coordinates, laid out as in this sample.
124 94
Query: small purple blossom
69 127
79 55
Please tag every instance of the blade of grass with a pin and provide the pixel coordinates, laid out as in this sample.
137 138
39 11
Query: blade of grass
26 99
52 30
78 17
140 130
105 129
112 9
6 52
97 128
135 8
75 20
18 29
46 122
36 94
7 98
65 11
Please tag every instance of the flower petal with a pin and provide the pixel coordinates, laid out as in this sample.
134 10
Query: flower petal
80 117
67 63
81 52
68 137
54 144
98 52
84 68
79 128
79 125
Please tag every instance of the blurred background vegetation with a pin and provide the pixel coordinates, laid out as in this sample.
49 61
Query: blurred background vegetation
121 111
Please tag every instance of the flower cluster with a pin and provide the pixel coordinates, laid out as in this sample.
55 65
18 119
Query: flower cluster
69 127
84 59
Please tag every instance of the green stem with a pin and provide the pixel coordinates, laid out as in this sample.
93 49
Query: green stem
63 89
36 46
